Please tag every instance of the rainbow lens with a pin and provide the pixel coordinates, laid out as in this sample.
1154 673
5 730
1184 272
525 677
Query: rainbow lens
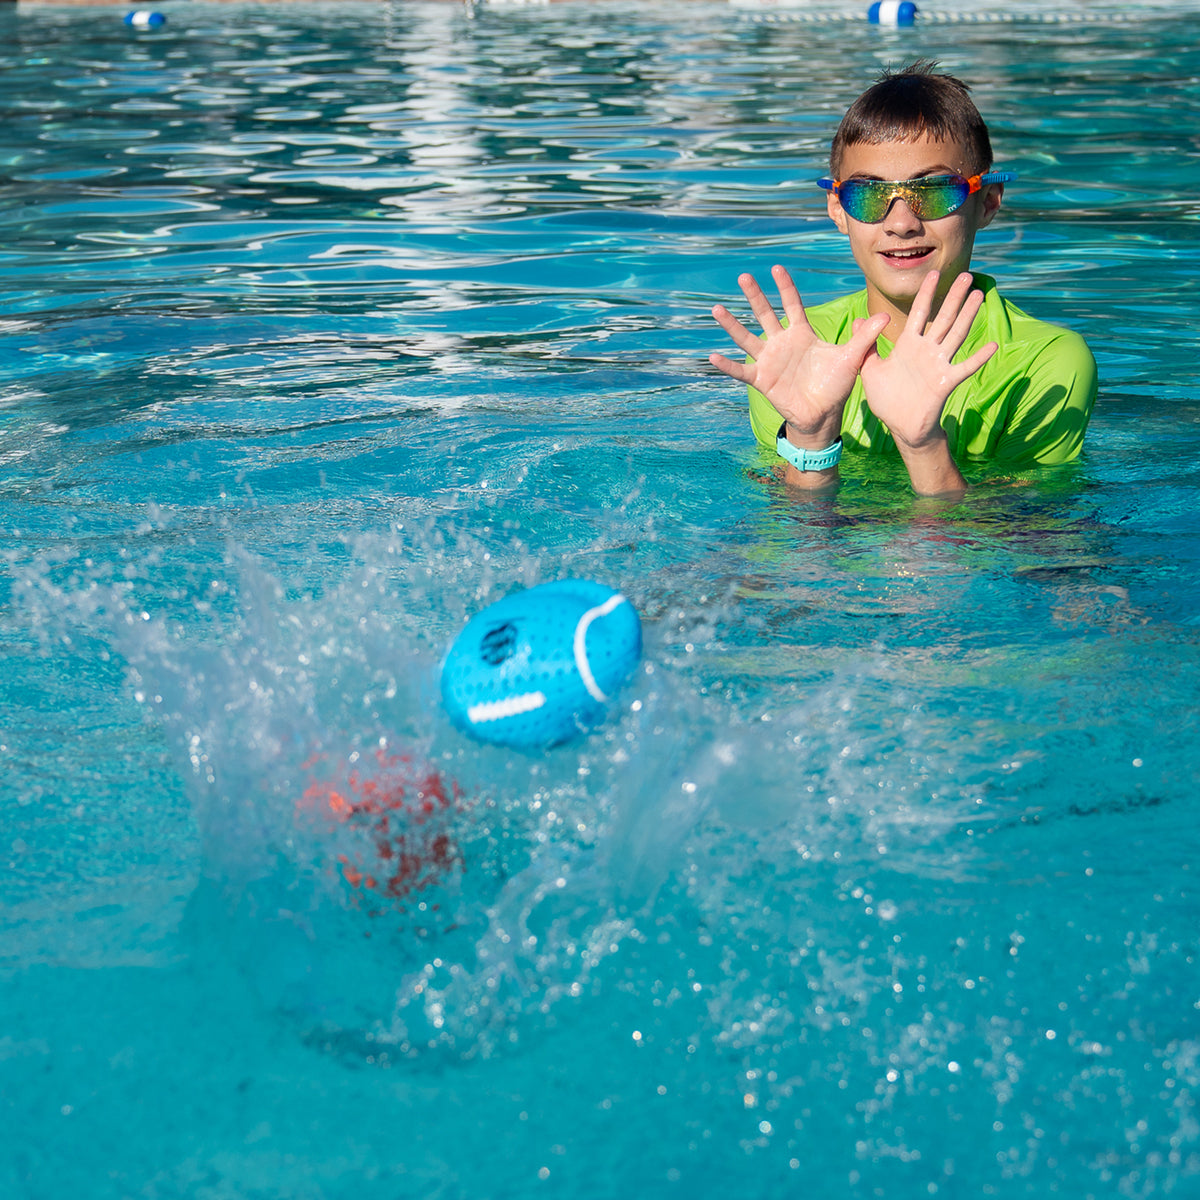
929 198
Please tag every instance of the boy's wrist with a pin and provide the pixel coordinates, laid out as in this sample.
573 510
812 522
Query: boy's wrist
814 437
933 446
931 467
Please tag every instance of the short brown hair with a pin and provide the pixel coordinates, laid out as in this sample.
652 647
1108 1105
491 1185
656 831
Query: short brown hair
912 103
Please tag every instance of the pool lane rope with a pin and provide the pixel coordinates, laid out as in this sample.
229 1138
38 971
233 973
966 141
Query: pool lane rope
889 18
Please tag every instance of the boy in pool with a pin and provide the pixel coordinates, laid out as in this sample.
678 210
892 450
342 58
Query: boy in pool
928 360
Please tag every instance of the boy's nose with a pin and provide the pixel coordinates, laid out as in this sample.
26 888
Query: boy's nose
899 217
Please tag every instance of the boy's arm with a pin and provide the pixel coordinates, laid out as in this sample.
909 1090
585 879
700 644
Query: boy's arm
1050 414
807 380
908 390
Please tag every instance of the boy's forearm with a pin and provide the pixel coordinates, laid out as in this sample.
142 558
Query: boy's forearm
810 481
932 469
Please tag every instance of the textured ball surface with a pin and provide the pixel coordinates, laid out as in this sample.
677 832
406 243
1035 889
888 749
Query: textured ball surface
540 666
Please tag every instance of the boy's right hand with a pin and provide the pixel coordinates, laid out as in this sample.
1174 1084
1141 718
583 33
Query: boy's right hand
807 381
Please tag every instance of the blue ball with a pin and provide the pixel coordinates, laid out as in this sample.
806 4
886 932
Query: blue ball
892 12
145 19
539 667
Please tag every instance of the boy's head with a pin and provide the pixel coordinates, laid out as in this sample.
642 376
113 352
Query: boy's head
913 103
911 126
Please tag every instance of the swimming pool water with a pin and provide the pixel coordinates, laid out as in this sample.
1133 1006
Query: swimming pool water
325 326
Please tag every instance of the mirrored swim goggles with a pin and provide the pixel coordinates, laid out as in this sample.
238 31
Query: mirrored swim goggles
928 198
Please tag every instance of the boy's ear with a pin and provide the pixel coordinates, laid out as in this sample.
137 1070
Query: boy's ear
837 214
989 203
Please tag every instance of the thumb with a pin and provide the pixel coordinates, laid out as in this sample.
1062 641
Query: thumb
865 334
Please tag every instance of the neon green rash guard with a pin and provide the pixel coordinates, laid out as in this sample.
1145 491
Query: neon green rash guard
1028 404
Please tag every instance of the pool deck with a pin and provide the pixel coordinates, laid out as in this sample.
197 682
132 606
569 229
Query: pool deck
132 4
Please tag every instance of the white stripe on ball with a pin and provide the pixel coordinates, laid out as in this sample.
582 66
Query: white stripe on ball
581 658
511 706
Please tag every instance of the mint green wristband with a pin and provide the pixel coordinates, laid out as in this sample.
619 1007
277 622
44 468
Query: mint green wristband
807 460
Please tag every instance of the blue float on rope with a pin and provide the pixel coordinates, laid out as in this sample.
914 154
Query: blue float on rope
144 18
539 667
892 12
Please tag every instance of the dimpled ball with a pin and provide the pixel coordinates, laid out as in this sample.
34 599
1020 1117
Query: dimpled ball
145 19
539 667
892 12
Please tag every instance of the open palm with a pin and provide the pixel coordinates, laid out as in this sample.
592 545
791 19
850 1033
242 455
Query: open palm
807 380
908 390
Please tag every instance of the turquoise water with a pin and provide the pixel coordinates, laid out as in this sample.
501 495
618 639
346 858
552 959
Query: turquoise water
326 326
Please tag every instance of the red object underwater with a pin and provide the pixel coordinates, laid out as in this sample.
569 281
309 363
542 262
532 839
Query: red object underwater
404 809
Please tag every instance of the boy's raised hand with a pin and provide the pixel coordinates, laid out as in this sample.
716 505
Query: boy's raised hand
806 380
908 390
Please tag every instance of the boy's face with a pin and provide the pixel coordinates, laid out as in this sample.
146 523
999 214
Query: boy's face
897 254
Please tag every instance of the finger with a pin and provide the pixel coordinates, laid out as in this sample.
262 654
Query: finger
957 333
866 334
759 304
968 366
952 306
972 364
742 337
922 305
742 372
793 306
870 364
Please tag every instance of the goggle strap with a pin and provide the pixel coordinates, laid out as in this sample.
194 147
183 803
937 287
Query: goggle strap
832 185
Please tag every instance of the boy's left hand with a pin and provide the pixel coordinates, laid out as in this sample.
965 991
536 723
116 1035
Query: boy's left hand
908 390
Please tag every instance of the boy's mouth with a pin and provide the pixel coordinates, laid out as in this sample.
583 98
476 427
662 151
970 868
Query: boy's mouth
907 254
